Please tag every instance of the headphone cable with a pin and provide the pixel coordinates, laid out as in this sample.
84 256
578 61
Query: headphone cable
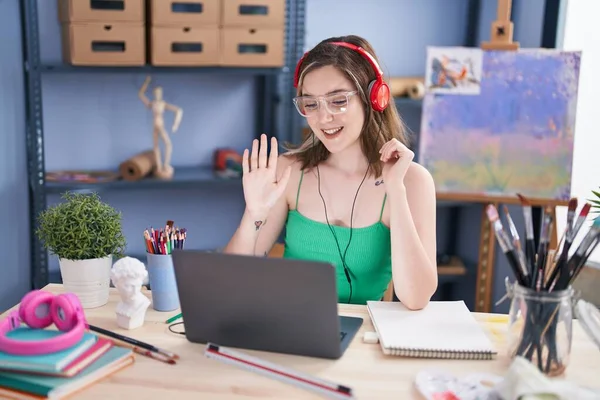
342 257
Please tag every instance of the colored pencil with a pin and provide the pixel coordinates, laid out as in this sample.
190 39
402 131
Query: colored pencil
164 240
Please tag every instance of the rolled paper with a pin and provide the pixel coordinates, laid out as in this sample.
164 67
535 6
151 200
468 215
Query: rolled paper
402 86
416 91
138 166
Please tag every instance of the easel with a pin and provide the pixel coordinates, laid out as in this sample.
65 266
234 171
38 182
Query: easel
501 39
502 29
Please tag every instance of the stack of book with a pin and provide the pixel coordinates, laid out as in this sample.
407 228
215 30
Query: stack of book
60 374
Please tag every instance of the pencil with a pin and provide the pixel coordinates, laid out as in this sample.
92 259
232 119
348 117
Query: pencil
173 318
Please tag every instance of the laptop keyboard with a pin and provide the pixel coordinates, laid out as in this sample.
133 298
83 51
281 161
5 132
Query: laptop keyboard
342 335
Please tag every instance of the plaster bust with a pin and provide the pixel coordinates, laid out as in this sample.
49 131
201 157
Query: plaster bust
128 275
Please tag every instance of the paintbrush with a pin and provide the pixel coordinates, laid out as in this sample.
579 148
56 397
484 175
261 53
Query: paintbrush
542 254
579 258
572 210
568 240
529 237
505 243
516 241
580 220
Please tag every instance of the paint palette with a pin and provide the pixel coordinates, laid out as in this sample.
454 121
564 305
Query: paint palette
440 385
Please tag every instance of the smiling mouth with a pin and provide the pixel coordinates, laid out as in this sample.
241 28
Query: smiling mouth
333 131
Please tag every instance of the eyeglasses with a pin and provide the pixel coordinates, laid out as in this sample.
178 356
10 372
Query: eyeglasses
336 103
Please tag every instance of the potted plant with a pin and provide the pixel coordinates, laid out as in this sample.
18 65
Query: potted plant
595 203
85 233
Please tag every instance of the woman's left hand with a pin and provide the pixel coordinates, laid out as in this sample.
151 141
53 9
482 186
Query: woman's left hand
396 159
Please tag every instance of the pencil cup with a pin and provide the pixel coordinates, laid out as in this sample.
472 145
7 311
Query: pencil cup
540 327
163 286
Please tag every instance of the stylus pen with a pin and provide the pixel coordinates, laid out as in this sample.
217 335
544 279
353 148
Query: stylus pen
328 389
133 342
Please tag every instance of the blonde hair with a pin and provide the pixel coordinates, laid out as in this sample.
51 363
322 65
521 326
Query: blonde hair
379 127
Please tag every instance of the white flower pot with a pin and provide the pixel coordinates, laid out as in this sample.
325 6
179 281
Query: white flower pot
88 279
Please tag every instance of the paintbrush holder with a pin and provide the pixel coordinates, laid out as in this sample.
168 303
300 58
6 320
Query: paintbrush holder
541 327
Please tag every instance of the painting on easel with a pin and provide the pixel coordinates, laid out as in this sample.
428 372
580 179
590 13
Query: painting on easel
513 135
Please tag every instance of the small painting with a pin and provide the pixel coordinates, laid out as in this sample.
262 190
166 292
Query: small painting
453 70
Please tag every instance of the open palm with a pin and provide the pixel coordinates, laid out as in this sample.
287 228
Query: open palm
261 188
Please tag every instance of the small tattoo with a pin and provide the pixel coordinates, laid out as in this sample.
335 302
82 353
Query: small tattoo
266 254
258 224
377 183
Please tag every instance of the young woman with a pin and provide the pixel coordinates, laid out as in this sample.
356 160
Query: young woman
350 194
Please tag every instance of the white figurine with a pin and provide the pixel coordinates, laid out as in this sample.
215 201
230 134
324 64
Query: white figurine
128 275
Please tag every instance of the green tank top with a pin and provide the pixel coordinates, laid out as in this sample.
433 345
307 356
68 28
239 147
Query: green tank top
368 257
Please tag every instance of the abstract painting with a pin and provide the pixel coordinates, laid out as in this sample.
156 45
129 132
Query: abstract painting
515 136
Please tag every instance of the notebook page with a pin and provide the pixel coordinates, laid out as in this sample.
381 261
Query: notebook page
444 326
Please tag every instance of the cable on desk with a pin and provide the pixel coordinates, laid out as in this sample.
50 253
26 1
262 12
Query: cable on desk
173 331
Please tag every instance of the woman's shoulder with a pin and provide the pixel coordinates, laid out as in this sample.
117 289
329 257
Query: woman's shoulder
418 179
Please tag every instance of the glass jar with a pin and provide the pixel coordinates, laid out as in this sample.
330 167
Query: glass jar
541 327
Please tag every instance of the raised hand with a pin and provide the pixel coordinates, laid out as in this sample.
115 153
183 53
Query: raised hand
261 187
396 158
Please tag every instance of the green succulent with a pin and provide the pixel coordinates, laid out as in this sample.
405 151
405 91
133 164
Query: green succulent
81 228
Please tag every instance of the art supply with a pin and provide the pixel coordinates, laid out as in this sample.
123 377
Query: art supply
529 235
173 318
152 355
412 87
544 298
516 242
164 241
133 342
444 330
468 128
579 258
580 220
138 166
163 283
507 247
568 240
436 384
312 383
537 278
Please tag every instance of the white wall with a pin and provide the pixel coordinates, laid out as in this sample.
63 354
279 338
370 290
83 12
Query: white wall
581 33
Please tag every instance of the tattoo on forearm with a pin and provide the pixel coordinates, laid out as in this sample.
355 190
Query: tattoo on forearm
258 224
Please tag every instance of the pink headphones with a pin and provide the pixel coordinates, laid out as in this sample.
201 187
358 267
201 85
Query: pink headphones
39 309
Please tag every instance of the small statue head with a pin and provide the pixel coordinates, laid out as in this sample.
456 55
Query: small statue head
128 275
158 93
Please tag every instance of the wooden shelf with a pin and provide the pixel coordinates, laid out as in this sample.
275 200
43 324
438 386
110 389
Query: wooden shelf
184 177
454 268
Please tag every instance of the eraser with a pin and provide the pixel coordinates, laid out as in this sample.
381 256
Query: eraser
371 337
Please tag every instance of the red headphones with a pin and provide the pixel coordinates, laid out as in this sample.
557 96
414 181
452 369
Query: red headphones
379 92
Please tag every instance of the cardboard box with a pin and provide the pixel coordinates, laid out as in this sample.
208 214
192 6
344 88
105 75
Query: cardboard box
101 10
105 44
186 46
253 13
250 47
185 12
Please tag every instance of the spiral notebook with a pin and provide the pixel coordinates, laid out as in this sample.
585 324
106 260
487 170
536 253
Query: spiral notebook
444 329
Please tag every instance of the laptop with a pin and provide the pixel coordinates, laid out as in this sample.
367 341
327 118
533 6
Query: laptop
259 303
